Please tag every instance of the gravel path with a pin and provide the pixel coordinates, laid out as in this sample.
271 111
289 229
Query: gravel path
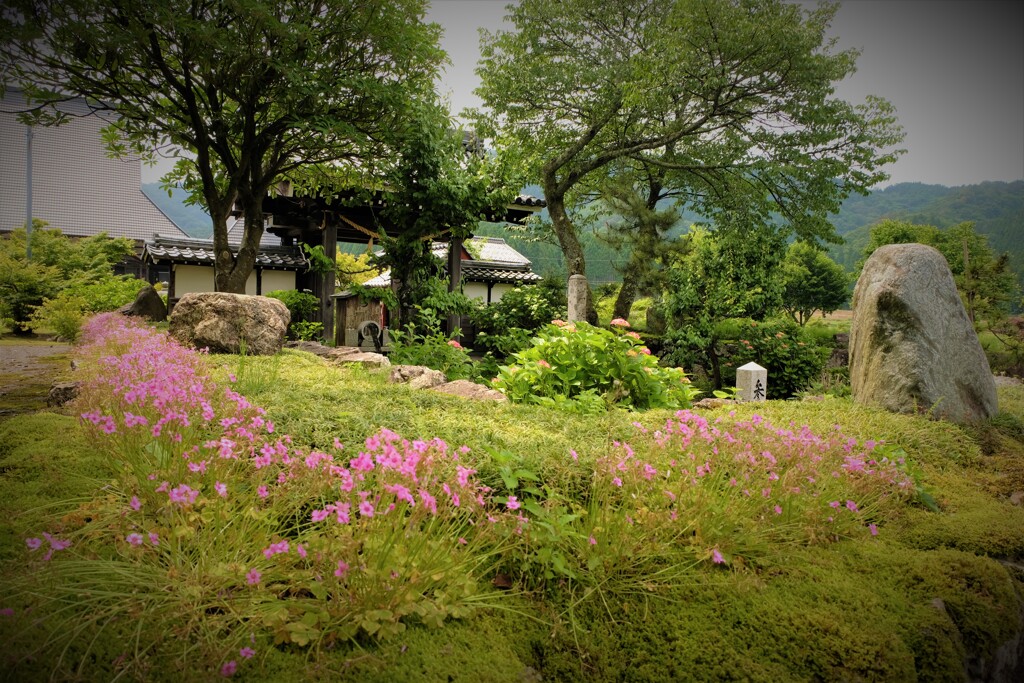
27 369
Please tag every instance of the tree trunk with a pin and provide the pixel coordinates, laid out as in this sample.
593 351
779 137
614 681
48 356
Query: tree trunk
572 250
716 369
232 271
628 291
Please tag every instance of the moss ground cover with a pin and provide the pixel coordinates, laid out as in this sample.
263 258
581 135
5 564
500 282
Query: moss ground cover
324 523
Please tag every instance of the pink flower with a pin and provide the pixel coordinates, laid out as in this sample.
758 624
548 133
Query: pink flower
593 541
222 489
512 503
246 652
873 528
134 503
33 543
253 577
543 363
462 541
7 612
778 510
262 492
228 670
342 569
454 344
619 322
851 506
617 481
154 539
559 323
366 509
300 550
716 556
134 539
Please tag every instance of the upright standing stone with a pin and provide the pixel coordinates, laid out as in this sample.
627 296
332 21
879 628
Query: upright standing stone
912 347
752 382
577 298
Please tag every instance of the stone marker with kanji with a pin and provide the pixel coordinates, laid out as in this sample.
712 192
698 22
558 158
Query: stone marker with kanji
751 382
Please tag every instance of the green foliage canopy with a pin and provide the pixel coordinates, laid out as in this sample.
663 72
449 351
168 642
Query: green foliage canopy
811 282
735 98
251 90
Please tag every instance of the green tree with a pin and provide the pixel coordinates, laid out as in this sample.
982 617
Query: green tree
58 264
811 281
728 273
438 184
735 97
251 90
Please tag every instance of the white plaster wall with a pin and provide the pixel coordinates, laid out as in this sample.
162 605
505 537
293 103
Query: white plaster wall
189 279
278 279
475 290
499 290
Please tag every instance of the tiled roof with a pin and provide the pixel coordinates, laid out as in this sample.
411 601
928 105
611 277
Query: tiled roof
76 187
529 200
236 229
475 273
492 250
200 252
498 262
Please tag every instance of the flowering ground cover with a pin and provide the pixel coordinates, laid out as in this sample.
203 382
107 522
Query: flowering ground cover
274 519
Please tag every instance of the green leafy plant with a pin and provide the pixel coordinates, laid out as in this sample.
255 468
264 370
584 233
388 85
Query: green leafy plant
577 367
305 330
301 305
793 358
506 326
431 349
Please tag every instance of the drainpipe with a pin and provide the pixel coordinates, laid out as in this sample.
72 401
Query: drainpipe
28 193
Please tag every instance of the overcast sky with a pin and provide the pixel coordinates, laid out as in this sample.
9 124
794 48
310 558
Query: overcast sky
954 69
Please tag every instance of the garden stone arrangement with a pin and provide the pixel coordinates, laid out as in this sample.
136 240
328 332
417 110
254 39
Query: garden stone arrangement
230 323
912 347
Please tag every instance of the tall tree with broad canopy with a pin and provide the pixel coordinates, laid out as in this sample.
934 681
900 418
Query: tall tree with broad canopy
250 89
729 272
811 281
734 96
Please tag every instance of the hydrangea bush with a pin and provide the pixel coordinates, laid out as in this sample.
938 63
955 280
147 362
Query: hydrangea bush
582 368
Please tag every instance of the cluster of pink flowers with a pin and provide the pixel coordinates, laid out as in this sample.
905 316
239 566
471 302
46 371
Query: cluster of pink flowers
767 471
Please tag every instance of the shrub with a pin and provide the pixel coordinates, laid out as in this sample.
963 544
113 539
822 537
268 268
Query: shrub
505 327
584 369
301 305
433 350
306 331
792 356
65 313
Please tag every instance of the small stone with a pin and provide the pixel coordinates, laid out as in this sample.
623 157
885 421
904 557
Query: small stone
61 393
416 376
467 389
1017 497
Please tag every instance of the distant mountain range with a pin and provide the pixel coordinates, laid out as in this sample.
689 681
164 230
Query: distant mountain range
996 208
194 220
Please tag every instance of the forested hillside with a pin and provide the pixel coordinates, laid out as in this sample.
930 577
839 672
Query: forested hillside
192 219
996 208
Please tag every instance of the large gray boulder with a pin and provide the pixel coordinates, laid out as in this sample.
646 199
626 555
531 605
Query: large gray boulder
912 347
226 322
